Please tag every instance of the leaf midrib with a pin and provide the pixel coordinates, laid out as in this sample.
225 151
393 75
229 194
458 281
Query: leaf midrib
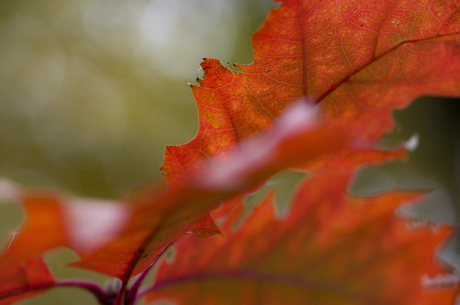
274 278
332 89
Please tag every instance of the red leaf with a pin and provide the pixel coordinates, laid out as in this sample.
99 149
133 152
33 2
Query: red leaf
24 280
55 220
346 56
331 249
140 245
42 231
358 59
297 137
347 161
154 224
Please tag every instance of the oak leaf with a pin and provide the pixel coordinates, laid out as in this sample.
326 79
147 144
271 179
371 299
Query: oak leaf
298 136
332 248
358 60
153 221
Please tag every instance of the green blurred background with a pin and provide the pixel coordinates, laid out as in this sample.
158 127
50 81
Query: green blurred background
92 90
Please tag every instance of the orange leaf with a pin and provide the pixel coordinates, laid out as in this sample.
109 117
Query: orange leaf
331 249
54 221
42 231
155 223
342 55
140 246
358 60
297 137
24 280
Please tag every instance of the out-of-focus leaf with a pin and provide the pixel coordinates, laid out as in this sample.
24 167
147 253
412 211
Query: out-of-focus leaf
141 244
42 231
298 136
24 280
155 223
55 220
332 248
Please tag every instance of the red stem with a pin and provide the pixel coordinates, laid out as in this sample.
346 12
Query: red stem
131 296
119 300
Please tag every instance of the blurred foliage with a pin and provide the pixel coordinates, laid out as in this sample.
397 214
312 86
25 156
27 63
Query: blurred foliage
91 91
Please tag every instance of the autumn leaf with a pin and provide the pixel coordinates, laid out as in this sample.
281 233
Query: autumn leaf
298 136
31 277
56 220
346 162
153 220
24 280
358 60
332 248
140 245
